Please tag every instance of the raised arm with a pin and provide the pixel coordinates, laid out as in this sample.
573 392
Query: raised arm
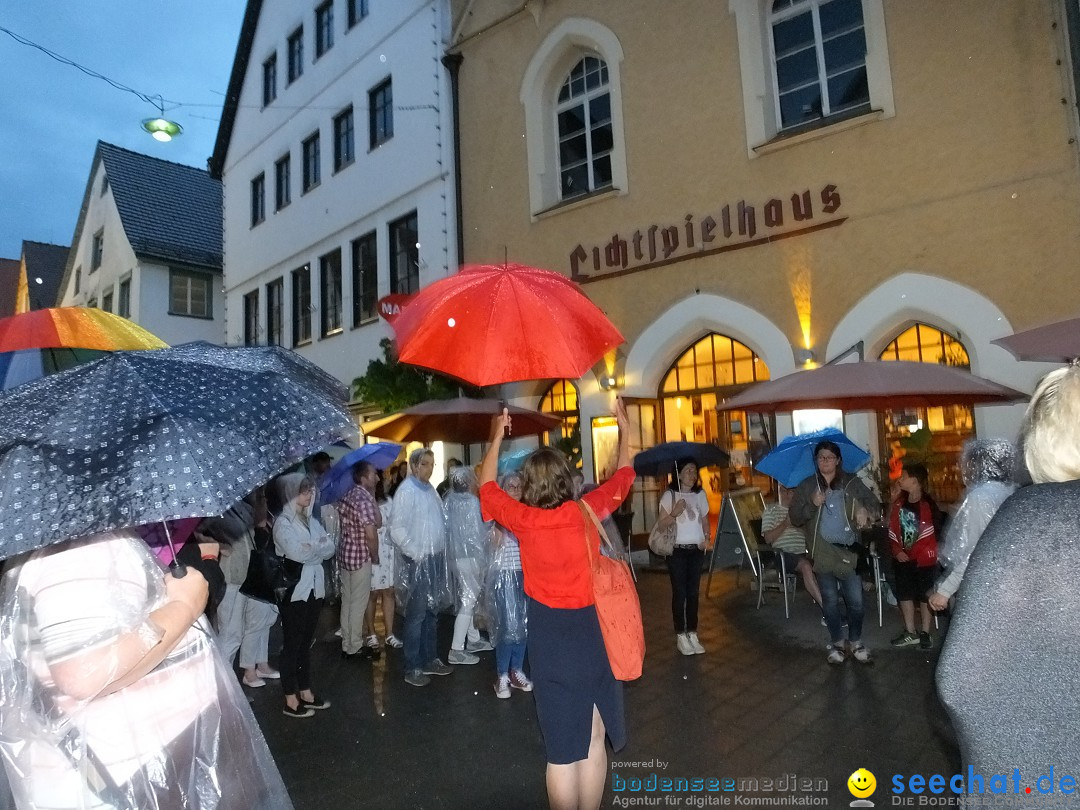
489 465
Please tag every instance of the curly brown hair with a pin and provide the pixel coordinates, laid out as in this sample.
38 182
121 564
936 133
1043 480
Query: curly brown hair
547 480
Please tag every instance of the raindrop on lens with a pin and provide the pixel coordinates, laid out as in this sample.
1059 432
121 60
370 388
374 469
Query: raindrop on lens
451 322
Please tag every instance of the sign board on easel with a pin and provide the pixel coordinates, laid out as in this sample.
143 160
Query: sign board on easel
737 531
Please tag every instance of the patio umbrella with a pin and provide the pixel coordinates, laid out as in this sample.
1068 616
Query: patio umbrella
462 420
45 341
338 479
792 461
141 437
1053 343
873 386
661 459
493 324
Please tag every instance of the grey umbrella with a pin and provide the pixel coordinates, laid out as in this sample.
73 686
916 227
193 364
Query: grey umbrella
140 437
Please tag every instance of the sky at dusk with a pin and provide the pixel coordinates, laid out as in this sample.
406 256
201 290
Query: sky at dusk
52 115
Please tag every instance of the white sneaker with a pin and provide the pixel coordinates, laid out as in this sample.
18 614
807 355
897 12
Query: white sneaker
694 643
372 641
462 657
502 687
836 654
682 641
394 642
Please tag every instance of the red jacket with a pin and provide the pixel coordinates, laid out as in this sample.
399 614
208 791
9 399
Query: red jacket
930 520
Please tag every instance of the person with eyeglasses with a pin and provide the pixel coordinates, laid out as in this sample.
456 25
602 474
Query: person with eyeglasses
832 506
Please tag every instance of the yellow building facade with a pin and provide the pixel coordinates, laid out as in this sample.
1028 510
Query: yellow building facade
750 186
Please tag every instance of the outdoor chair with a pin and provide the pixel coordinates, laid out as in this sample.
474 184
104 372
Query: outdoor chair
770 570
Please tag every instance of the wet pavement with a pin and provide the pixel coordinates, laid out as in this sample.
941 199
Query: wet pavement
761 705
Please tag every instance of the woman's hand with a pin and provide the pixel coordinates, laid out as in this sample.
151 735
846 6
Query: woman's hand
500 425
191 591
818 497
937 601
902 557
621 417
678 508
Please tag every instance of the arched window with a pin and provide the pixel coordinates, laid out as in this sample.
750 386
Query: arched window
583 117
712 369
561 400
930 436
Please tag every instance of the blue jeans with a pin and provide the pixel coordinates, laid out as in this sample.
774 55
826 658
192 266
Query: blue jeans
509 655
418 634
830 605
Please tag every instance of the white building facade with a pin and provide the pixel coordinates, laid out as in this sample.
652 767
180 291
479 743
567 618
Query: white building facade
147 246
336 155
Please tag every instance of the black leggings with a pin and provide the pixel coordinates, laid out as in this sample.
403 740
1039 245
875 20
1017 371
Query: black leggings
298 620
684 568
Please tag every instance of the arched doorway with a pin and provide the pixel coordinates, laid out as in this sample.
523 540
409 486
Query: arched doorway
561 400
932 436
710 370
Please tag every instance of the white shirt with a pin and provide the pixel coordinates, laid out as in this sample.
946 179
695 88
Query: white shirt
688 531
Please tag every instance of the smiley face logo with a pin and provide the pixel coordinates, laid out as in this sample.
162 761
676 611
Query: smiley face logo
861 783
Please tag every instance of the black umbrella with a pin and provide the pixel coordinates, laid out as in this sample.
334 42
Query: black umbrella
141 437
661 460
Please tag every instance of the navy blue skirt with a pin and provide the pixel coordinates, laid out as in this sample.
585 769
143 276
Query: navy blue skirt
571 674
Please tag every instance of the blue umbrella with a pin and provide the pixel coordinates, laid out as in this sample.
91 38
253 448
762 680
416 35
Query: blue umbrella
792 461
338 479
514 460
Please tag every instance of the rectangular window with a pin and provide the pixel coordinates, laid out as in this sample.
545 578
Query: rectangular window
123 303
78 279
282 189
104 184
270 79
344 151
190 293
251 318
275 312
258 200
301 305
404 255
107 301
312 169
97 249
381 113
324 28
819 61
365 279
330 292
296 54
358 9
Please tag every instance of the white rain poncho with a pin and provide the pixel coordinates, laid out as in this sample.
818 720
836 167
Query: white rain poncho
76 617
505 611
418 531
468 535
988 466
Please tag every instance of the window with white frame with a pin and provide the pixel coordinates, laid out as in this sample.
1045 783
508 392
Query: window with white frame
819 60
258 199
282 182
357 10
380 114
275 312
583 117
330 292
301 305
123 303
572 96
811 66
190 293
107 301
365 279
312 164
404 255
295 47
97 250
344 149
269 92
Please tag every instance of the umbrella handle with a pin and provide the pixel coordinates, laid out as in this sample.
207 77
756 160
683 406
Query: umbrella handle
504 406
177 569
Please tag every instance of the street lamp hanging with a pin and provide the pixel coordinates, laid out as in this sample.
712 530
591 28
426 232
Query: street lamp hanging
162 129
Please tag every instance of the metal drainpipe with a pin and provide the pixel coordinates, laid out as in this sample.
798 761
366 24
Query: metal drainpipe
453 61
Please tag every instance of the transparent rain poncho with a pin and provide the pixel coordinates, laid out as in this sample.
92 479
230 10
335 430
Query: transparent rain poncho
418 531
988 466
468 535
76 621
505 610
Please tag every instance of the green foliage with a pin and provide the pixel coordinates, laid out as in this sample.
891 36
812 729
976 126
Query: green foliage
391 386
570 446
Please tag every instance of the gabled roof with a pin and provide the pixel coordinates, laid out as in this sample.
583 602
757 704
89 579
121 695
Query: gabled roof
171 213
9 285
236 83
46 262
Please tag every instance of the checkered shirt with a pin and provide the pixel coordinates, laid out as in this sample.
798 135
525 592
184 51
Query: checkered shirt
357 510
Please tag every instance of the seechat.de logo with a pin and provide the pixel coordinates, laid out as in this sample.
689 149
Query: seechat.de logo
862 784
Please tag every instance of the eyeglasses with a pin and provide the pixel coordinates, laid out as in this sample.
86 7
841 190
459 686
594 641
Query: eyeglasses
827 457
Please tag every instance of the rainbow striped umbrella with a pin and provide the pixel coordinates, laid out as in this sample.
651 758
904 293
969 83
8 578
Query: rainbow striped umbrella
44 341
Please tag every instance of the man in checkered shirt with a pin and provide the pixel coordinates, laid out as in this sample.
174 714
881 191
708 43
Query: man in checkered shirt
358 548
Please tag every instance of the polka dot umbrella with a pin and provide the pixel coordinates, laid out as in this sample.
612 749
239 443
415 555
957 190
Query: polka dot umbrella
147 436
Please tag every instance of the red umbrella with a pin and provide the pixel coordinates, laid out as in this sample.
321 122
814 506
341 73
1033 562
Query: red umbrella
493 324
873 386
1053 343
460 420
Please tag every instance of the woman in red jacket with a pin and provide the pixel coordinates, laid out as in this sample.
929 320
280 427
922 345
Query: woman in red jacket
914 527
578 700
